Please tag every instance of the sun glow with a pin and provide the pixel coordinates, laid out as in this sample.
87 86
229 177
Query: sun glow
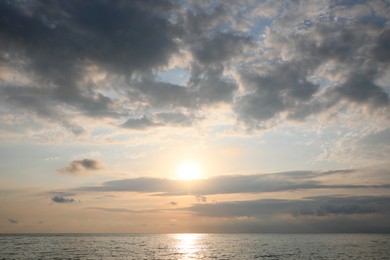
189 171
188 245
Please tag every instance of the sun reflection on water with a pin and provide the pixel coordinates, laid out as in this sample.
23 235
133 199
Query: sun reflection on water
187 245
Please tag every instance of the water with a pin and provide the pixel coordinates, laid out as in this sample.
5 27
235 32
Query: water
194 246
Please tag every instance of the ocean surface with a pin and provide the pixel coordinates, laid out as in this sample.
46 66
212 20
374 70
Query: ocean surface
194 246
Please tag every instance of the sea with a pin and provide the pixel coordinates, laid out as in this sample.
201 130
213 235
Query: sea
195 246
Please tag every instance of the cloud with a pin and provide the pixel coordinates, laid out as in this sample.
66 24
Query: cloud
159 119
231 184
376 145
222 47
71 60
71 31
339 225
381 50
280 89
334 205
124 210
207 86
380 138
210 86
360 87
62 199
61 63
61 193
81 166
318 63
99 70
200 20
312 206
135 185
13 221
323 214
58 43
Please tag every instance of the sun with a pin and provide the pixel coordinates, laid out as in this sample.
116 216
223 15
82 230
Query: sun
189 171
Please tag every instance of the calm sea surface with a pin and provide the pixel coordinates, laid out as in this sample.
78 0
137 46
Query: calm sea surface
194 246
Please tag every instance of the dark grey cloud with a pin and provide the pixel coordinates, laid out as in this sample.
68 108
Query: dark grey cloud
360 87
13 221
312 206
324 214
141 123
40 103
160 94
206 86
62 199
230 184
337 205
200 21
381 51
300 66
210 86
55 43
222 47
120 36
280 89
180 104
339 225
159 120
81 166
352 51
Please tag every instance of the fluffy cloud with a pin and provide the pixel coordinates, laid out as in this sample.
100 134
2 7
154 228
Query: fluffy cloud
318 63
81 166
56 43
304 63
281 89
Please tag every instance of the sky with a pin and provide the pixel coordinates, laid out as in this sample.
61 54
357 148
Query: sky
195 116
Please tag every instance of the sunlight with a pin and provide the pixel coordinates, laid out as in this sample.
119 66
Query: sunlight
188 171
187 245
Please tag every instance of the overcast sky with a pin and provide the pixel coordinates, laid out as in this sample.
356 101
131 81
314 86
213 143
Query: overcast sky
281 108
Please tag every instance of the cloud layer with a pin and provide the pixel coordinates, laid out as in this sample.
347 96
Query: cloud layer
59 60
260 183
324 206
283 202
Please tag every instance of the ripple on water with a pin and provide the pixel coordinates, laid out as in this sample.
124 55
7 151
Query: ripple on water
194 246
